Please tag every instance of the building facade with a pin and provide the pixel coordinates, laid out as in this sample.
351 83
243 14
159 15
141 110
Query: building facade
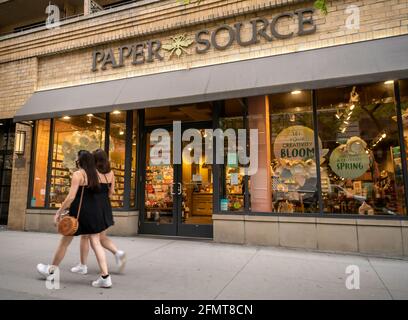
326 92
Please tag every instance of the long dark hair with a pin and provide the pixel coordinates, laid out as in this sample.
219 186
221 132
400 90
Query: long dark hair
101 161
87 162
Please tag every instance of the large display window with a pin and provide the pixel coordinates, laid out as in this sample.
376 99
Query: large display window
117 151
70 135
293 163
63 137
362 168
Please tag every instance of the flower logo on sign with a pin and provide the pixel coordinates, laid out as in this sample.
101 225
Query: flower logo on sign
178 45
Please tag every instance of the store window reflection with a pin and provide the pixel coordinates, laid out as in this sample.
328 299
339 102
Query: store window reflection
362 171
232 199
72 134
293 176
117 150
42 138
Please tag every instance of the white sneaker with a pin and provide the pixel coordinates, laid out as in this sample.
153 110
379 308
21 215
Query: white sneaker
120 258
44 270
102 283
80 268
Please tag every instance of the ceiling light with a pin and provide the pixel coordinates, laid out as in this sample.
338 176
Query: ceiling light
384 135
89 115
66 117
389 82
116 112
121 132
296 92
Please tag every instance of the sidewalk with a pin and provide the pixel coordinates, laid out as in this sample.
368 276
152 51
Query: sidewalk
185 269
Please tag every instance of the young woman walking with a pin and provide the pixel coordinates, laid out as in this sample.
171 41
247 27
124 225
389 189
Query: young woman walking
92 219
107 182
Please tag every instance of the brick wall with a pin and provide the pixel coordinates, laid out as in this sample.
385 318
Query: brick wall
74 68
18 80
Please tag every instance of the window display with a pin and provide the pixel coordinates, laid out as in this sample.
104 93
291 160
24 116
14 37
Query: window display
134 161
158 190
72 134
362 172
42 136
117 148
233 186
197 184
293 165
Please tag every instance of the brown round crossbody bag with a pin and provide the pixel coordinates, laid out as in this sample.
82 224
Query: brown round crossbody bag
68 225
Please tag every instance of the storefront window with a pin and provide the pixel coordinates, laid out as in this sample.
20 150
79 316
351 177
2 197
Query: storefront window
361 170
233 189
72 134
134 161
42 138
117 151
292 175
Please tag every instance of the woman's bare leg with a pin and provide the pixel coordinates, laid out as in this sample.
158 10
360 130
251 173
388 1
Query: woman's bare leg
84 249
100 253
61 250
107 243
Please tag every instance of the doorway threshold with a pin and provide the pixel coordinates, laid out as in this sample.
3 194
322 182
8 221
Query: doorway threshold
185 238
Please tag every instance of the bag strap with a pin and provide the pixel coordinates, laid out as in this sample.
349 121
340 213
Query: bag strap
80 201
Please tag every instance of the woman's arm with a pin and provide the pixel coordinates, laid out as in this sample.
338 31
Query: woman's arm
112 187
77 179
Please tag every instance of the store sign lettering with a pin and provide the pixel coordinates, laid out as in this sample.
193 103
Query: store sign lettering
222 38
296 143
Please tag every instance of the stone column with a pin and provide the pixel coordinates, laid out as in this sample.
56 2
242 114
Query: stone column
260 184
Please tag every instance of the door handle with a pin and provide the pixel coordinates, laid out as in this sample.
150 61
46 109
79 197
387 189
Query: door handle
180 189
172 189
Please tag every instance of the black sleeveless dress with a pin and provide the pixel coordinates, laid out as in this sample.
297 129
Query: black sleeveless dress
96 211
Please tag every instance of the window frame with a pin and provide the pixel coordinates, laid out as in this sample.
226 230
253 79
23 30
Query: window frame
128 155
320 213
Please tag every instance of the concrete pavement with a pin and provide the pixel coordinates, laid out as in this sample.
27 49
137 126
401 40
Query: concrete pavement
162 268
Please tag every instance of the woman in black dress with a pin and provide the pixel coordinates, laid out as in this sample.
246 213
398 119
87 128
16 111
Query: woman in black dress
92 220
107 182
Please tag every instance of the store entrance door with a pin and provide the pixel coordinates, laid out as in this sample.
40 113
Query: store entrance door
178 198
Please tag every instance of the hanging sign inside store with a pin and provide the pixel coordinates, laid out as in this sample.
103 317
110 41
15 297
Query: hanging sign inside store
296 143
349 165
218 39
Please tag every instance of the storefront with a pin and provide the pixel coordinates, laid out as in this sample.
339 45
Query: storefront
330 110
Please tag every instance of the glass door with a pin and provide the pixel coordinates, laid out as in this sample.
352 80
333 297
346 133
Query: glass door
178 198
159 207
196 190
